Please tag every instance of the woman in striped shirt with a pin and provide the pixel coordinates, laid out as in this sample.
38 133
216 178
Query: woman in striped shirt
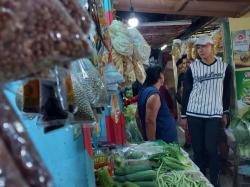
205 105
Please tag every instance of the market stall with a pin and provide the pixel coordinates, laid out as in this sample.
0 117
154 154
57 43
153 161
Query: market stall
66 102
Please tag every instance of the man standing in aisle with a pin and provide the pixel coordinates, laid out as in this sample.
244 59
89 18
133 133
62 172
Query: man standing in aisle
182 65
153 116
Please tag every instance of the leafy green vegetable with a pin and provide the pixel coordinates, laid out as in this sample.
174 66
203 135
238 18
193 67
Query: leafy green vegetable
104 179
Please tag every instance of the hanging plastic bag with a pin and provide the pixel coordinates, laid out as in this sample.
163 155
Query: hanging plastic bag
112 76
120 39
89 78
53 114
78 13
83 111
142 50
36 35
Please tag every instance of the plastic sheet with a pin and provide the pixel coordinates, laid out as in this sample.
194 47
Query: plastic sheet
36 35
21 148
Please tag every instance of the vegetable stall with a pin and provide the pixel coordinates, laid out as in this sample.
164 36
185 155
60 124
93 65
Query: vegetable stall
151 164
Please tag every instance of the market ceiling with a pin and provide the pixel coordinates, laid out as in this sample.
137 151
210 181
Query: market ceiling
214 8
164 20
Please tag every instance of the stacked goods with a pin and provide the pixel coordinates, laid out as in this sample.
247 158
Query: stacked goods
79 14
156 164
130 52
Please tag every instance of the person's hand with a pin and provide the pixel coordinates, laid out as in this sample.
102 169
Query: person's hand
224 120
184 123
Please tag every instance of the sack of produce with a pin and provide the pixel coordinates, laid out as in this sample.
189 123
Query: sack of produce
10 175
78 13
36 35
89 79
120 38
21 148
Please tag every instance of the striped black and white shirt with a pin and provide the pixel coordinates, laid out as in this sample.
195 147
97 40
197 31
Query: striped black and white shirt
206 90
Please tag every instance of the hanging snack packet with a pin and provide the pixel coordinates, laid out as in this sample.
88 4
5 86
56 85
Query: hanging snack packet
35 35
83 111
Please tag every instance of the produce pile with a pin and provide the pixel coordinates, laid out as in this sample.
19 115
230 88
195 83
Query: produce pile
155 164
133 134
241 131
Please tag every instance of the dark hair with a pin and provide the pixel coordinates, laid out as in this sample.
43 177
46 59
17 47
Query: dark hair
153 75
180 61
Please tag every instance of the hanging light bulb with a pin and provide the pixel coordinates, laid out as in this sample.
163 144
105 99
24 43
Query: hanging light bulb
133 20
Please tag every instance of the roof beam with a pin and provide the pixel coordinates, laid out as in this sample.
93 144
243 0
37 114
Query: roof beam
180 5
244 11
227 1
184 12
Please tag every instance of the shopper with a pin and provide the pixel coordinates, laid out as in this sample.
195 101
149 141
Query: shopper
205 103
182 65
153 116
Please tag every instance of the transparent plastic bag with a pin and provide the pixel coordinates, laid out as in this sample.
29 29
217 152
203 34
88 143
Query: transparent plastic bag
112 76
120 38
89 78
83 112
142 50
21 148
78 13
36 35
53 115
